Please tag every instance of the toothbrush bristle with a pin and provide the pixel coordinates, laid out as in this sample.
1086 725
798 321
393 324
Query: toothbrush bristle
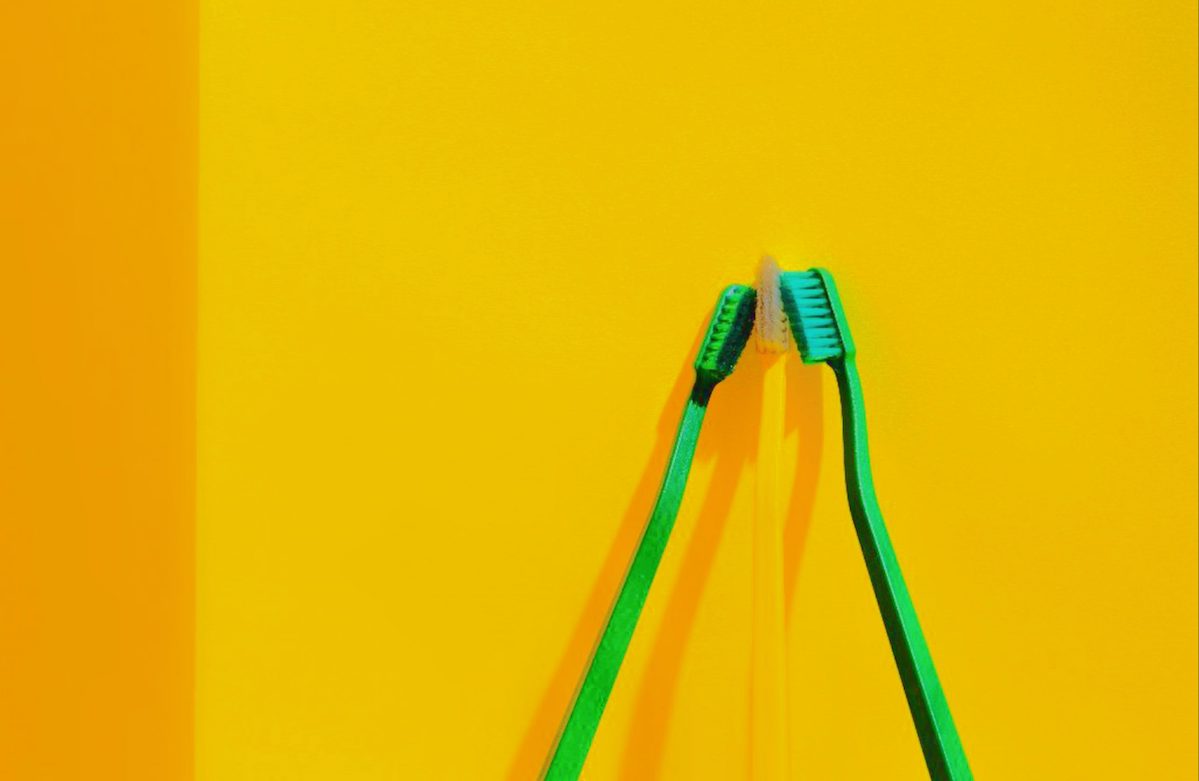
728 333
809 308
771 320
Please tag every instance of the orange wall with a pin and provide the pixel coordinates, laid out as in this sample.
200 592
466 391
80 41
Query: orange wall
97 265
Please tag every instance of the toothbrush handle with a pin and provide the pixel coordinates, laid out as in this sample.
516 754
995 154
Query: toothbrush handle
566 763
939 739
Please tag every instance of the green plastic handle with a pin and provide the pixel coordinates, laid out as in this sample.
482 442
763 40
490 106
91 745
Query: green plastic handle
939 739
566 763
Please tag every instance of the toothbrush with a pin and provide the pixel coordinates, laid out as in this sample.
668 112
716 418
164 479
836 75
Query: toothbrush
726 337
768 692
820 329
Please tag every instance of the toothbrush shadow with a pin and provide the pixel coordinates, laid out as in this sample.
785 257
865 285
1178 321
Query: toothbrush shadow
729 439
533 753
734 440
805 414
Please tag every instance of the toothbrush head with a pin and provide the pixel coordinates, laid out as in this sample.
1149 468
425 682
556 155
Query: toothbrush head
770 324
729 330
817 319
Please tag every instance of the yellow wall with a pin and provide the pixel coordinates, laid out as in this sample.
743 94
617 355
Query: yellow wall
454 260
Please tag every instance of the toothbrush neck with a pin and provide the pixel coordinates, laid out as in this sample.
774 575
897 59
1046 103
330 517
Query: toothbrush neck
853 421
701 391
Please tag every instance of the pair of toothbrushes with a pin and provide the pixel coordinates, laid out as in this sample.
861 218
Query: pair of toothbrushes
817 322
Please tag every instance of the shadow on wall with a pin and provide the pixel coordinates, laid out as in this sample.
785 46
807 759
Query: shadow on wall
727 439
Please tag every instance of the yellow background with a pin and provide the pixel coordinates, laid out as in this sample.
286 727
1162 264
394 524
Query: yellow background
454 259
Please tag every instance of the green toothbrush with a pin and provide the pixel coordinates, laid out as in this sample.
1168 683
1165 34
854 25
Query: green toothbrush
727 334
818 322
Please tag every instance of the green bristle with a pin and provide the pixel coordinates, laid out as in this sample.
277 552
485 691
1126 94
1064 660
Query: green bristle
814 311
731 325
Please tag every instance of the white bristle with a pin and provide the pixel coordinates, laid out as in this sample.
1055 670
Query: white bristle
770 322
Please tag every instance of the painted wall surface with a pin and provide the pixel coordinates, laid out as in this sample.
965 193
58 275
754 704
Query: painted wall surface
97 383
454 260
